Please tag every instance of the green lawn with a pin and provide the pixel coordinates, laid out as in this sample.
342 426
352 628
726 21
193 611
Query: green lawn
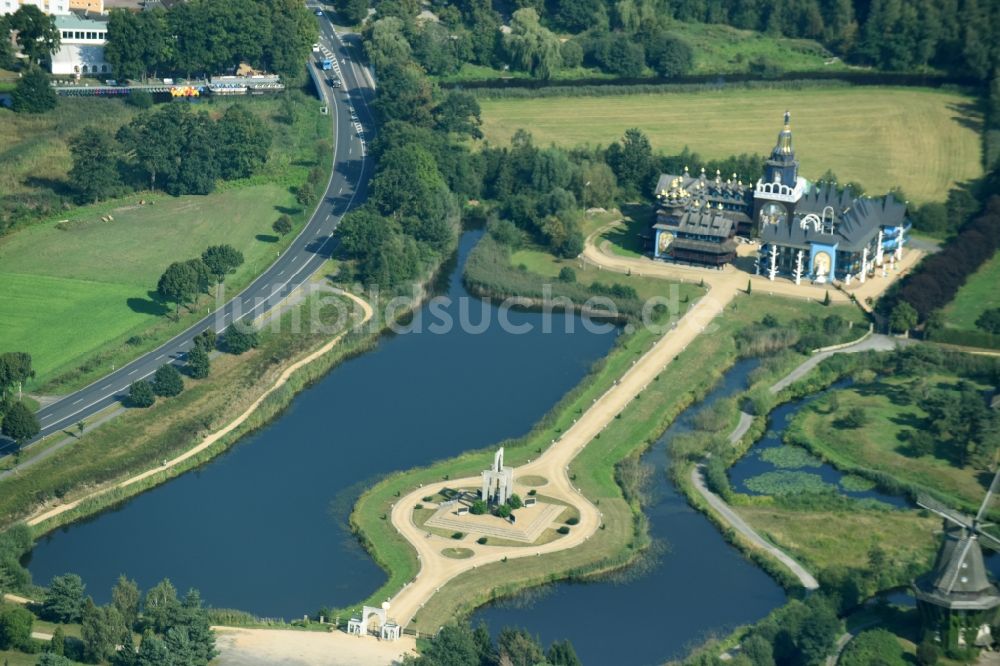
978 294
78 290
923 140
878 445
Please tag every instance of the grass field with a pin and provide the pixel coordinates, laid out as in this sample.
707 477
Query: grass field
978 294
881 137
77 290
878 445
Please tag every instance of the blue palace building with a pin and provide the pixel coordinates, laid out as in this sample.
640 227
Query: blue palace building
812 232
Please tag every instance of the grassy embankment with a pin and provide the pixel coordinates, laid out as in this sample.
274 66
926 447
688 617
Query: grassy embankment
142 439
977 295
718 49
922 140
688 378
80 293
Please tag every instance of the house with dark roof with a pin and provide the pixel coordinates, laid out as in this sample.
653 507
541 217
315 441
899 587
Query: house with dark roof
814 232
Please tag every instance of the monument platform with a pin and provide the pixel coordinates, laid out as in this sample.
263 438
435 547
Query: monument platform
531 522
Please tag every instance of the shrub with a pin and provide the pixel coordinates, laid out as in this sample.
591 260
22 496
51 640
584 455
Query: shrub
457 535
141 394
481 541
207 340
240 338
198 363
417 507
428 499
532 492
876 646
167 381
15 627
515 501
140 99
503 511
563 529
478 507
567 274
856 417
282 225
573 521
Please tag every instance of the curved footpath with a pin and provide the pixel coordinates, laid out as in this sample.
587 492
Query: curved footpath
214 437
726 512
436 569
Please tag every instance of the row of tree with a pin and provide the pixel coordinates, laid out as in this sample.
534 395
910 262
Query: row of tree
171 148
624 36
460 645
174 631
474 36
181 283
939 277
207 37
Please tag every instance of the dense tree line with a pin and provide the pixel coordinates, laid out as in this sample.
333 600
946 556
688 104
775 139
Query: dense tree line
208 37
171 149
460 645
939 276
175 631
634 37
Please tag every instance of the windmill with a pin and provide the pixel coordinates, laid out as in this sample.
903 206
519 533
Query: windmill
957 597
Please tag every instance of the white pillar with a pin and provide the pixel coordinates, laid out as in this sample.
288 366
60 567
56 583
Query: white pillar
847 280
798 267
878 249
864 265
774 262
899 245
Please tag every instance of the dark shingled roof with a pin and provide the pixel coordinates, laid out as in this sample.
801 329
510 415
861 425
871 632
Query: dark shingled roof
857 221
959 579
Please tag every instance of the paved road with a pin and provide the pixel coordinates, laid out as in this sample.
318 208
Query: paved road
347 188
737 523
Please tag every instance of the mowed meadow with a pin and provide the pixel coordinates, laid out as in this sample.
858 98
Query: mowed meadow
920 139
77 292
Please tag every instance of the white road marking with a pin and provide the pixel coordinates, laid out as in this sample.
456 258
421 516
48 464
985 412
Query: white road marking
159 357
133 372
78 401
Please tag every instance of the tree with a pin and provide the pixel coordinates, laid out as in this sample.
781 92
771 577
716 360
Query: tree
206 340
140 394
153 651
515 501
519 647
478 507
244 142
283 225
178 285
33 94
352 11
567 274
167 382
20 423
15 369
902 318
453 646
240 338
7 55
675 57
561 653
531 46
53 659
198 364
459 112
15 627
125 596
203 275
101 630
161 607
64 600
37 35
94 174
222 259
58 643
875 646
928 653
989 321
632 160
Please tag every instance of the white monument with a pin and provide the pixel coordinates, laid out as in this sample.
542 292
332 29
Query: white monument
387 628
498 481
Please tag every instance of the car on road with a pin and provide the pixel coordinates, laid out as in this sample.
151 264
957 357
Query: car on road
319 12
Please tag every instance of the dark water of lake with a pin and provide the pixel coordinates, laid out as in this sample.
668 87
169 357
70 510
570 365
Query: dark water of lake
698 585
263 528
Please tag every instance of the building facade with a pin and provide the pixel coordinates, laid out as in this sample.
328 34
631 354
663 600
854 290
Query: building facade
807 232
81 46
58 7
